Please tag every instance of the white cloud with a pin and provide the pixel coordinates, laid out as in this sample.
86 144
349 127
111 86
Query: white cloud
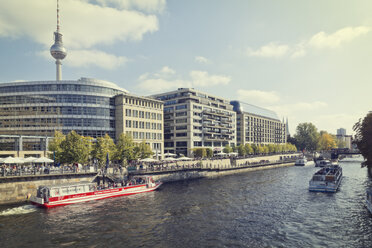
334 40
167 79
203 79
317 41
270 50
84 25
145 5
201 60
258 96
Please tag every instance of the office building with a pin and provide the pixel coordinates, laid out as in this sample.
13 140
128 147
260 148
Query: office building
256 125
193 119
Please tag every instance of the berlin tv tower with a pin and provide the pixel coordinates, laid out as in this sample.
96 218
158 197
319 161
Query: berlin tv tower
57 50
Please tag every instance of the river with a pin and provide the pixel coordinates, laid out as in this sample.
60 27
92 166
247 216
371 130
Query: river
268 208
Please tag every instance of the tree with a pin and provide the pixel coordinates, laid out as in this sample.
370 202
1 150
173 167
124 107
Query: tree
307 137
326 141
248 149
55 146
143 150
363 140
209 152
74 149
125 148
104 145
227 149
254 148
200 152
241 150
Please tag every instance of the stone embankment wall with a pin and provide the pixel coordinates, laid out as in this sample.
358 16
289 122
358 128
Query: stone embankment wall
17 189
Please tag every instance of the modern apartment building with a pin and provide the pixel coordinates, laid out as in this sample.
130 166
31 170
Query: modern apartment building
142 118
256 125
193 119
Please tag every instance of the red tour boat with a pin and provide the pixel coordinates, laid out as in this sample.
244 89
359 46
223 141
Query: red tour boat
59 195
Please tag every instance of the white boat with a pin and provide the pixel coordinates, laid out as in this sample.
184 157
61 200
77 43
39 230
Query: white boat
369 200
301 162
65 194
327 179
322 163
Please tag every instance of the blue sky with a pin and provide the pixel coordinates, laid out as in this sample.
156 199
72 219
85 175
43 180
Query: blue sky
309 61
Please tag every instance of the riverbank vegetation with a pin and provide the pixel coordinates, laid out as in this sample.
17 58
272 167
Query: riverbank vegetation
247 149
363 140
74 148
307 138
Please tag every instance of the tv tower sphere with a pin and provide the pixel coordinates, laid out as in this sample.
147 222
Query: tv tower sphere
57 50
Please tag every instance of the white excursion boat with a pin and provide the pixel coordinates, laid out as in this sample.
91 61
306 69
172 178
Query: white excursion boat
301 162
59 195
323 163
327 179
369 200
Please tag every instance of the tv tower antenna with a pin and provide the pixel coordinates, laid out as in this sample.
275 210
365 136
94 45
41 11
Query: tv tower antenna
57 50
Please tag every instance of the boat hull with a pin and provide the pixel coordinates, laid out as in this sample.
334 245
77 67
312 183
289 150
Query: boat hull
326 187
90 196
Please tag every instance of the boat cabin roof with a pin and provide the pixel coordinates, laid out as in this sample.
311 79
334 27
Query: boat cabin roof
66 185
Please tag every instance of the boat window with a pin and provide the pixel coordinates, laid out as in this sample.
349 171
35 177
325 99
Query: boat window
72 189
54 192
91 187
64 191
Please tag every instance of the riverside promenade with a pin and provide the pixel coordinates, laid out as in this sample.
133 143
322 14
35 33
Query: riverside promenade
18 183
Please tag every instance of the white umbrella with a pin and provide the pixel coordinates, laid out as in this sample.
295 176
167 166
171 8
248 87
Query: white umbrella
168 154
148 160
184 158
233 154
29 159
43 160
169 159
221 154
11 160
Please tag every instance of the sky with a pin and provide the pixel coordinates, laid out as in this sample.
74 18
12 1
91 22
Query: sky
309 61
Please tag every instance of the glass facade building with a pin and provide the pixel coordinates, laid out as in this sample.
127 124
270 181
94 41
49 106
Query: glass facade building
86 106
256 125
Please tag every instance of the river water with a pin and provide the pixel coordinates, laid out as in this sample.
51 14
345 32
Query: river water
269 208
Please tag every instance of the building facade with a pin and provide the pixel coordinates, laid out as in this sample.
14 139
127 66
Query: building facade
193 119
141 118
343 137
86 106
256 125
90 107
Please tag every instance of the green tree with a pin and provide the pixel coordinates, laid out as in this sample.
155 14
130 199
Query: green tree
227 149
200 152
363 140
241 150
265 149
104 145
209 152
125 148
307 137
74 149
248 149
143 150
326 141
255 148
55 146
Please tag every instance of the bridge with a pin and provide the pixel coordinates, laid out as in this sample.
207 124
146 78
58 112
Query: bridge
335 153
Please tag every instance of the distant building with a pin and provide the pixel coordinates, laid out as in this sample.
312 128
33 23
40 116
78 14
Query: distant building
194 119
341 131
342 136
256 125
